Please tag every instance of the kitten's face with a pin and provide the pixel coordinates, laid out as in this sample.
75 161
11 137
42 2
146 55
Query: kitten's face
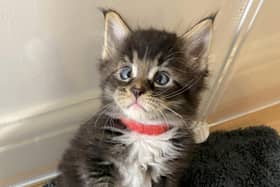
153 76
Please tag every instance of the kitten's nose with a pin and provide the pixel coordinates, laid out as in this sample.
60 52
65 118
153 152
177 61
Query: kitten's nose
137 91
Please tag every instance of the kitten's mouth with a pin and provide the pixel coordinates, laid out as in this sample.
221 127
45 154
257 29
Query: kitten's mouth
136 106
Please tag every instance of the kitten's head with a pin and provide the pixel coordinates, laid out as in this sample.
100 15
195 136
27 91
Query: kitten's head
153 76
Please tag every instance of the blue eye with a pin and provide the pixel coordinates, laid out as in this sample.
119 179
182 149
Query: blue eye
161 78
125 73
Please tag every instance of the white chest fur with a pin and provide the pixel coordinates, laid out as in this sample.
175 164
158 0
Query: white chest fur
147 158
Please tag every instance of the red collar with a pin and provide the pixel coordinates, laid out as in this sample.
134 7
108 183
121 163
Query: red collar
155 129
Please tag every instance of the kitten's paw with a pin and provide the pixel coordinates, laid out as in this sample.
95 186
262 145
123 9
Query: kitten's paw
201 132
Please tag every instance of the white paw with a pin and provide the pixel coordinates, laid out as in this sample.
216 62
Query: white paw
201 132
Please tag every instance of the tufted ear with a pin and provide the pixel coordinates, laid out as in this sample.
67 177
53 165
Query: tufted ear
198 41
116 31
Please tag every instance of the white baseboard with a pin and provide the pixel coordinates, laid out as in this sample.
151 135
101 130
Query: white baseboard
32 141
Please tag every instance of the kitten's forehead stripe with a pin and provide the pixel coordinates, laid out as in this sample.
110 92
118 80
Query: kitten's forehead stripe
164 63
134 70
126 58
152 72
150 44
134 56
142 67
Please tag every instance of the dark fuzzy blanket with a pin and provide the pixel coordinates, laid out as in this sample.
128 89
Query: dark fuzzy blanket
239 158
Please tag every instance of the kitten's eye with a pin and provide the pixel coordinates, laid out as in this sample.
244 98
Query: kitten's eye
161 78
125 73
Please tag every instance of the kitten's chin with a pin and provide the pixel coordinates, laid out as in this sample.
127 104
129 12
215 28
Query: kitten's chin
138 113
137 108
141 112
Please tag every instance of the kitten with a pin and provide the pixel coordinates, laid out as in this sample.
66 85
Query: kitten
151 82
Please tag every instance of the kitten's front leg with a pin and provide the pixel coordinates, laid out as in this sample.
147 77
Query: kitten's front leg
68 181
100 182
165 182
100 173
92 172
106 184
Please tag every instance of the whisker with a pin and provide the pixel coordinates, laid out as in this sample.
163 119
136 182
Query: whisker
164 117
175 113
184 88
101 112
166 90
103 130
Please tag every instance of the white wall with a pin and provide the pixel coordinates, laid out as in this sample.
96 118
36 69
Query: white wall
48 51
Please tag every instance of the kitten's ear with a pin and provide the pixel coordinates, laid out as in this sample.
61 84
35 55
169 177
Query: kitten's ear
198 41
116 31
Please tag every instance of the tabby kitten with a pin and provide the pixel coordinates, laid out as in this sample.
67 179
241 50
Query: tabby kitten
151 82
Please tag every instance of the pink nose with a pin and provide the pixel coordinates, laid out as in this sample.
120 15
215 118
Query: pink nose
137 91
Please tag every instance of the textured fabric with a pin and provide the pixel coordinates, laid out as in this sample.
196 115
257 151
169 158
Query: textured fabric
239 158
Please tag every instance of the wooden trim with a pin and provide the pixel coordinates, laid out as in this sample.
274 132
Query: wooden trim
268 116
